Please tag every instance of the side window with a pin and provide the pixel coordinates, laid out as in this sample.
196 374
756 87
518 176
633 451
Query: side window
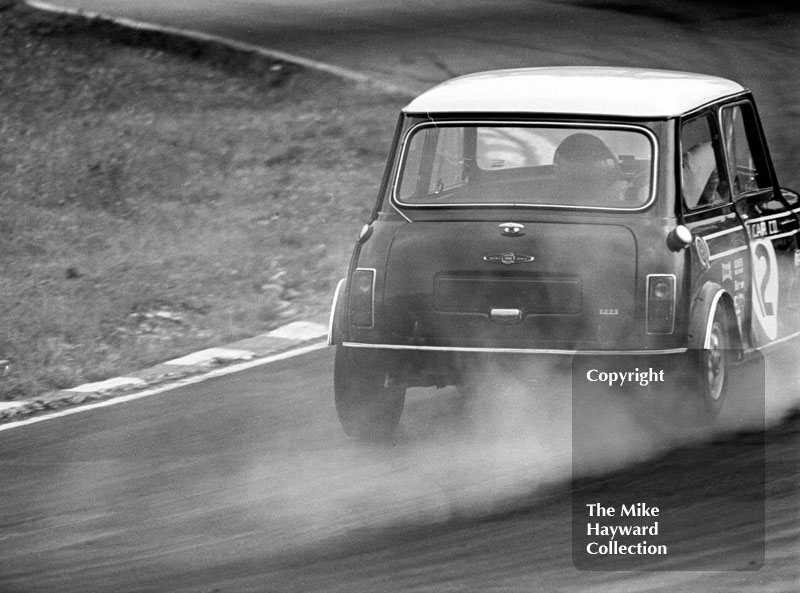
701 182
744 150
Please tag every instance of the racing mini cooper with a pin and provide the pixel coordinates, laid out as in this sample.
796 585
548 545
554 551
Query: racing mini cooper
561 211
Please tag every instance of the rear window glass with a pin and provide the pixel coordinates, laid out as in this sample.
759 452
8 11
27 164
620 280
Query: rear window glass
496 164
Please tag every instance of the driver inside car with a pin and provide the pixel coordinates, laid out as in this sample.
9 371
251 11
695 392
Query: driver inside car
700 180
588 172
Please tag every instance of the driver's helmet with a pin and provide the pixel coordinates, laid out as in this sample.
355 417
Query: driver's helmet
584 163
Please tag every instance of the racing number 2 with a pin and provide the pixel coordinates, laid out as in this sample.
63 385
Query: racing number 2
765 288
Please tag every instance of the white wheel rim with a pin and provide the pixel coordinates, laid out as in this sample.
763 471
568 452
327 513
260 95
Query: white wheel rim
714 359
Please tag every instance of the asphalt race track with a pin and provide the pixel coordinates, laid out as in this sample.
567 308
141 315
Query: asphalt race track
416 44
246 483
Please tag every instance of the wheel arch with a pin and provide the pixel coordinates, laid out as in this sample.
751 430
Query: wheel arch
711 298
337 325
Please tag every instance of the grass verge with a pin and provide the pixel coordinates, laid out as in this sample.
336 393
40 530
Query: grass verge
159 195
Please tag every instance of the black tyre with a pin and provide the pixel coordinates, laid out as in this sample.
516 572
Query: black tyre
713 364
369 403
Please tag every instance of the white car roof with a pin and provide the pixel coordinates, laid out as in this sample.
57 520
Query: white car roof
579 90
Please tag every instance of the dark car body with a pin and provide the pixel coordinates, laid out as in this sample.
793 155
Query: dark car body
564 210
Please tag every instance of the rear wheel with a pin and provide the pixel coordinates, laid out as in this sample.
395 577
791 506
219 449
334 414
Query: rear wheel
369 402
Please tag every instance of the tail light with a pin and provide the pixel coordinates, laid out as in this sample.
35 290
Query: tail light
660 303
362 298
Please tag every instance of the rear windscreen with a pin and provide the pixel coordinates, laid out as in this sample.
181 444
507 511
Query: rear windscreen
523 164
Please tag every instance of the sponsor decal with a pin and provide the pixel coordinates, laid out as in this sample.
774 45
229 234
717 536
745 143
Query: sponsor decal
727 271
763 228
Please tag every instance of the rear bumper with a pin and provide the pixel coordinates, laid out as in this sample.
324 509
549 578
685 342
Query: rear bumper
542 351
422 366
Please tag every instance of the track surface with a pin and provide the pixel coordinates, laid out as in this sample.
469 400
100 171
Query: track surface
416 44
245 483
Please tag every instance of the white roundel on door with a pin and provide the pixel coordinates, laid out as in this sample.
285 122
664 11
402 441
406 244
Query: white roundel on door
765 290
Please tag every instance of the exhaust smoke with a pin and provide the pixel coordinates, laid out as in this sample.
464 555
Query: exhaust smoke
501 441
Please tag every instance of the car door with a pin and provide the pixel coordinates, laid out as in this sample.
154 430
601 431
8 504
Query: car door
771 221
719 250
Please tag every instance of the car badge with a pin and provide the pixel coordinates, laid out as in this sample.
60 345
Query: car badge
702 251
508 258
